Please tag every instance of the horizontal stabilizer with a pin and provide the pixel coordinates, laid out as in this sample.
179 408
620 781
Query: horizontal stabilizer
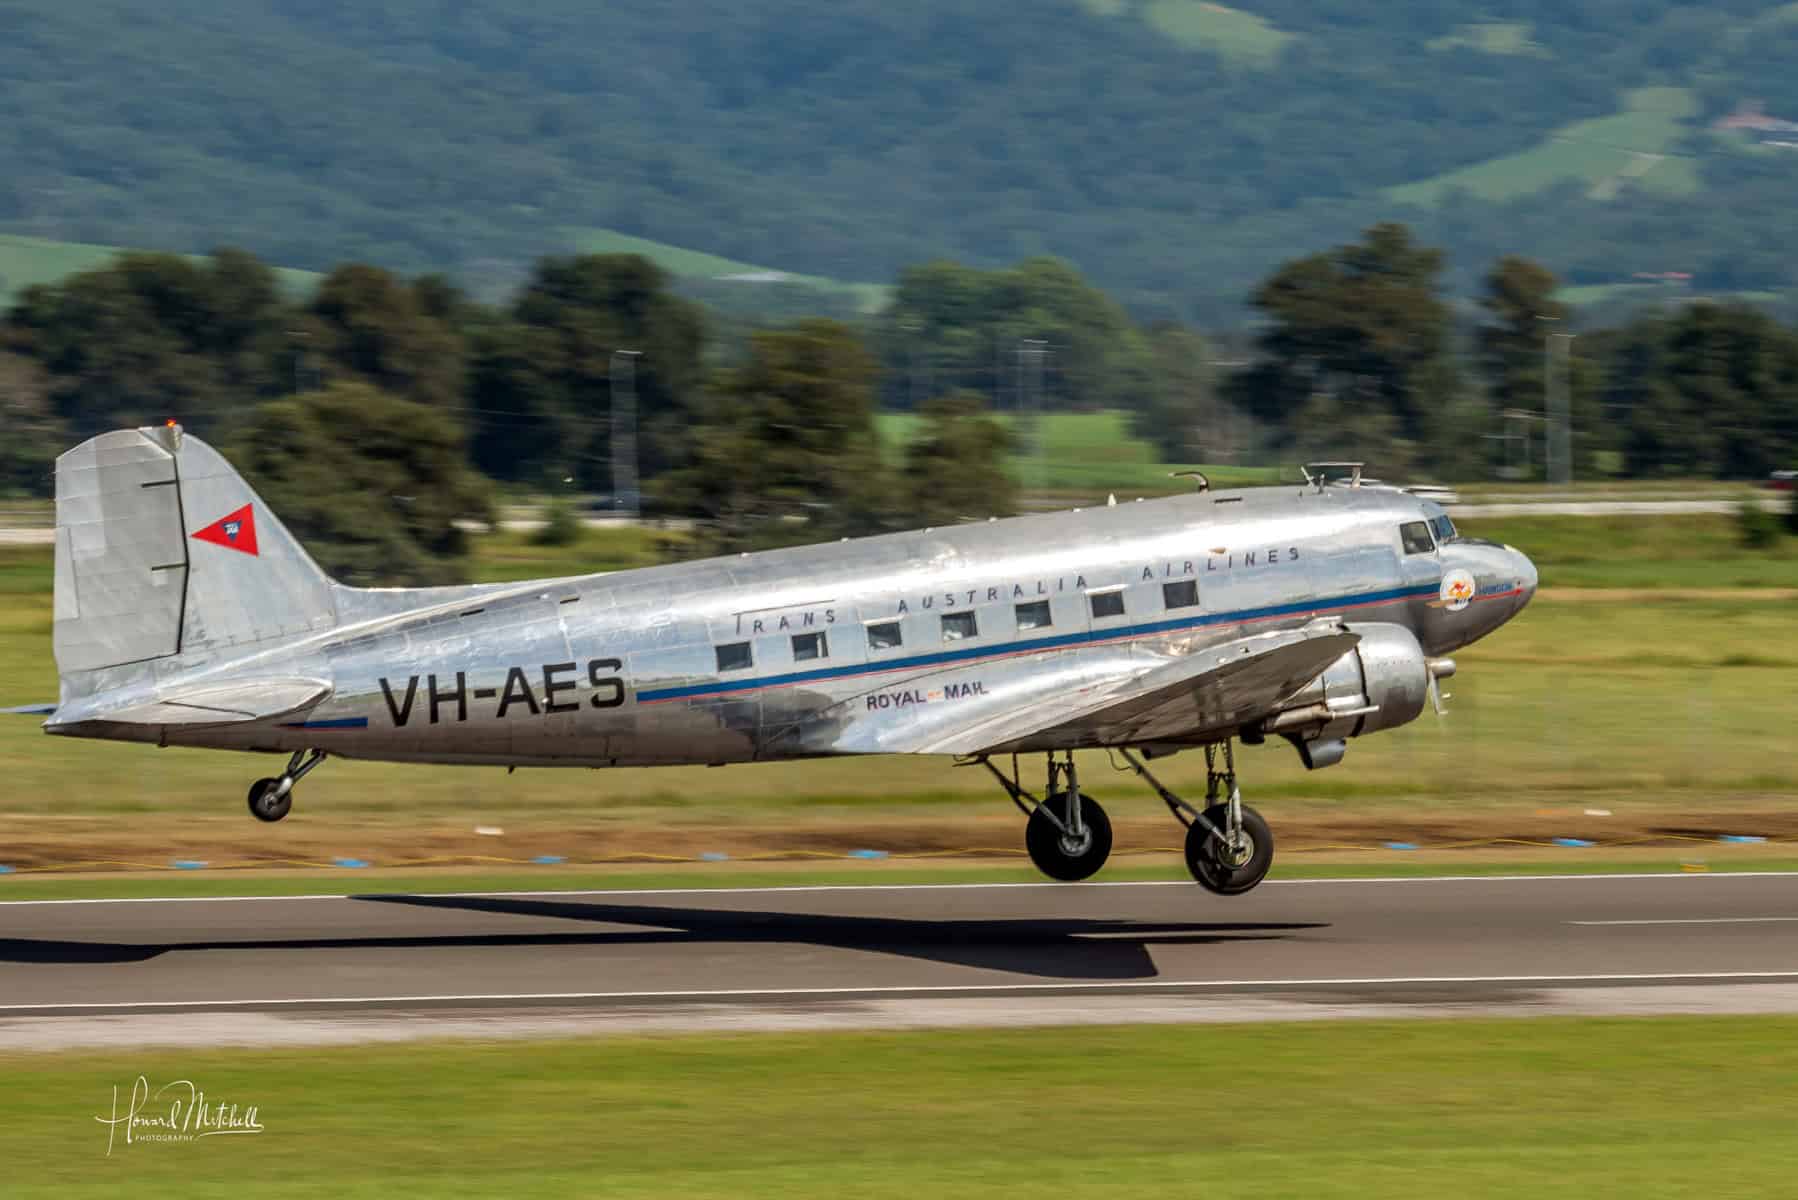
30 710
223 703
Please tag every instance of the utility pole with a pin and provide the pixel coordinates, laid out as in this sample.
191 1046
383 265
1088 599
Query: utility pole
1557 435
1030 387
622 382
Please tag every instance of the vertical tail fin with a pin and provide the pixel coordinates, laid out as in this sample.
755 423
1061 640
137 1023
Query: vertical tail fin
163 551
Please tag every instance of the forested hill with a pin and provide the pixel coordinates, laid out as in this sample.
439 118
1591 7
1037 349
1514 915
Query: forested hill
1175 150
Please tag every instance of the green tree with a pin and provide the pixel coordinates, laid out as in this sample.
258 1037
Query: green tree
956 467
1180 411
34 434
541 392
373 484
154 336
1357 337
788 451
369 325
951 326
1521 314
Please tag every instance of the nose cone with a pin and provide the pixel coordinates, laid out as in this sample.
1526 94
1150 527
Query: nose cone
1526 578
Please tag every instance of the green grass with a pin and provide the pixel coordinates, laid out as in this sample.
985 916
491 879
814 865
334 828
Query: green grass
1599 293
1085 455
1230 32
1493 37
1696 551
1720 858
678 260
25 261
1595 151
1650 1108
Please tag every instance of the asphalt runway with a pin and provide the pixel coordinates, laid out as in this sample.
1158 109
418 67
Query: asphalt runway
348 968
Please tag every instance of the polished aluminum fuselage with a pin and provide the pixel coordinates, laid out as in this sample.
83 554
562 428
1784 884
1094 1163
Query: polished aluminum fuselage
624 668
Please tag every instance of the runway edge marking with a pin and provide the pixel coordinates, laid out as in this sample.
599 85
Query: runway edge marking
916 887
850 993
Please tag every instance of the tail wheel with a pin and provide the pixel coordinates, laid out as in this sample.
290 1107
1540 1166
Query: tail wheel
1227 870
1059 854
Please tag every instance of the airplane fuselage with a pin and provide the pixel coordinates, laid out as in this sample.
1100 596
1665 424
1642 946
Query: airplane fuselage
846 647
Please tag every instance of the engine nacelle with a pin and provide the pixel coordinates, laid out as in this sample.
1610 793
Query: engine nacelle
1382 683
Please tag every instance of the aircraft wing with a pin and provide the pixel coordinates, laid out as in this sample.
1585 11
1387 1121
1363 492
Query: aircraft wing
30 710
1130 700
226 702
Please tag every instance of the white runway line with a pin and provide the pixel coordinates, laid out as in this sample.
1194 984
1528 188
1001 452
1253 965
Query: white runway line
923 887
1692 921
853 993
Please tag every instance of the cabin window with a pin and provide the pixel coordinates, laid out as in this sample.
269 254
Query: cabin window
885 636
958 627
807 646
1416 536
735 657
1106 604
1183 594
1034 615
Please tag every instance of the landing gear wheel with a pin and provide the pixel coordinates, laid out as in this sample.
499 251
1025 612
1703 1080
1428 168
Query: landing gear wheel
268 802
1064 857
1220 868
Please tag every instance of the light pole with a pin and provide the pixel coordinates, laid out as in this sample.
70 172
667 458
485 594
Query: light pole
1030 386
1557 450
622 382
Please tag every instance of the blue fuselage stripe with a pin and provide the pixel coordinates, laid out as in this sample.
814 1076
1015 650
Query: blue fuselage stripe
339 723
1053 642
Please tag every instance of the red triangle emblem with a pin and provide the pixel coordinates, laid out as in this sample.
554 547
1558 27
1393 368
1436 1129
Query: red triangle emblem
234 531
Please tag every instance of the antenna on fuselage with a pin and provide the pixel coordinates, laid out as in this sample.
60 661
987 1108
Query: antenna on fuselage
1204 484
1322 469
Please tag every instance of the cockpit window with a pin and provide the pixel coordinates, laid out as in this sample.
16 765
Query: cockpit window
1416 536
1443 528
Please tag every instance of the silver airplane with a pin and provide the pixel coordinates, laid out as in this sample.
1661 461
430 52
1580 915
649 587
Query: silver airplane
187 615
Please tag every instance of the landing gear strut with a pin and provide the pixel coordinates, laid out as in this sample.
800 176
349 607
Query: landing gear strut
271 799
1229 847
1068 835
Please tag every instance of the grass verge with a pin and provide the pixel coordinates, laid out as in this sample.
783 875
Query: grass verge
1546 1108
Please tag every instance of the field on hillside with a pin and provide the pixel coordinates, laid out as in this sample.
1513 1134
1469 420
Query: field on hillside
1474 1108
677 260
25 261
1632 146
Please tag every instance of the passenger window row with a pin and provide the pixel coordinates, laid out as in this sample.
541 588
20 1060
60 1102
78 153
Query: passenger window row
961 626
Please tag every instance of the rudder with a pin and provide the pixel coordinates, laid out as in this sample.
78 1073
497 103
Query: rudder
162 550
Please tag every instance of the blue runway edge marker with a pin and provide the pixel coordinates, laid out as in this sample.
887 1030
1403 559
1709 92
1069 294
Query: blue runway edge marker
867 854
1572 842
1401 845
713 856
5 870
189 864
548 860
350 862
1739 837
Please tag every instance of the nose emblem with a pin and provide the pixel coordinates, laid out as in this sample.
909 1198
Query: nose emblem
1457 590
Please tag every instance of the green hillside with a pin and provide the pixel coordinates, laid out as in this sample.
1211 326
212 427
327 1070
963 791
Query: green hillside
25 261
1174 150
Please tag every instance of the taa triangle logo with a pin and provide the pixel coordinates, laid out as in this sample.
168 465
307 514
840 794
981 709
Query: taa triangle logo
234 531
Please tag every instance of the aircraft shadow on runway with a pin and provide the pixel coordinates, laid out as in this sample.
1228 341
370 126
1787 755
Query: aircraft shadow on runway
1051 948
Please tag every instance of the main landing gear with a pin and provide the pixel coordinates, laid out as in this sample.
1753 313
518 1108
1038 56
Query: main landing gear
271 799
1068 835
1229 847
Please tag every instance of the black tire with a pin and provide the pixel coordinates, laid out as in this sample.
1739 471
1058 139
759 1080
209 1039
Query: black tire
265 805
1050 851
1206 861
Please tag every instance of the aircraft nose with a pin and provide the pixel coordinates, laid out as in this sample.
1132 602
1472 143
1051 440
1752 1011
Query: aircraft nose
1526 577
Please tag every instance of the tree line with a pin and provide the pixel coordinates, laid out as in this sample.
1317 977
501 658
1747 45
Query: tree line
380 413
